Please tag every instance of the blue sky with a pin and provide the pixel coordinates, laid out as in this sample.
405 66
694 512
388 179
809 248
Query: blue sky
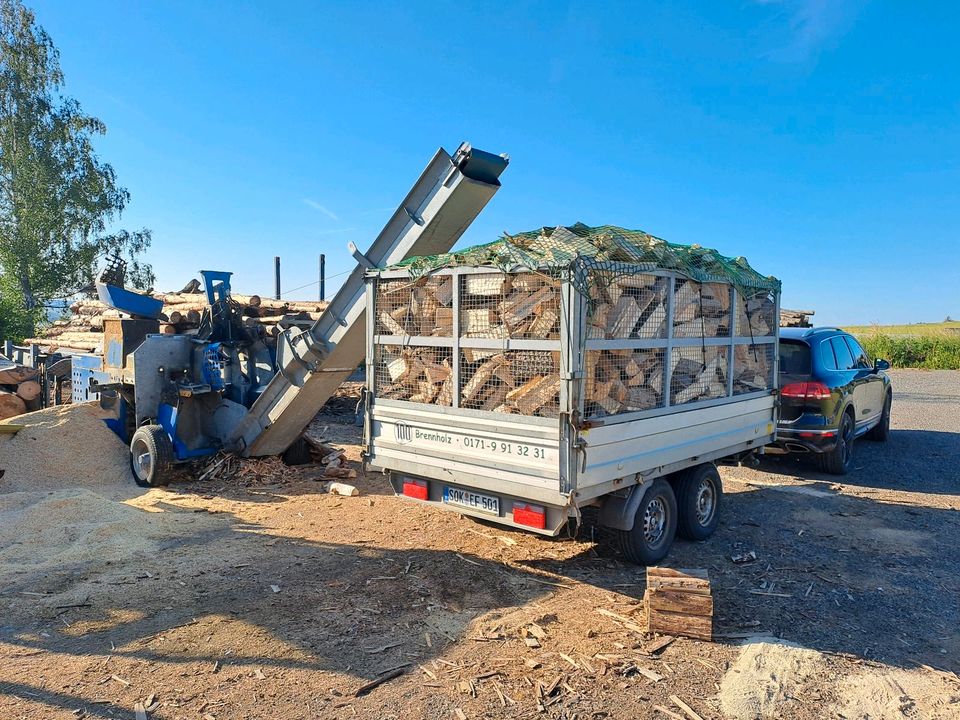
820 139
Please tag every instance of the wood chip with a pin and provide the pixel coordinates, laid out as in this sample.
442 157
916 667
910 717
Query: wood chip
686 708
139 711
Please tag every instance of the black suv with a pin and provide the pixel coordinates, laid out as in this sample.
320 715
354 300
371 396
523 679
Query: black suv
830 394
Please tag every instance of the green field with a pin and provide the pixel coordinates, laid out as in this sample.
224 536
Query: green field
933 346
915 329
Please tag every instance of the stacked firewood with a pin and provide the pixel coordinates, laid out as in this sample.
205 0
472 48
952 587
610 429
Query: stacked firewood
415 307
19 389
83 329
678 602
523 306
521 382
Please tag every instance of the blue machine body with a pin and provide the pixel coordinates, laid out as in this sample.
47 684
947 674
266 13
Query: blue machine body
137 304
167 417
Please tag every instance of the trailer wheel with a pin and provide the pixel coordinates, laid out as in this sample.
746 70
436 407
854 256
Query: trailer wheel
699 494
151 456
654 526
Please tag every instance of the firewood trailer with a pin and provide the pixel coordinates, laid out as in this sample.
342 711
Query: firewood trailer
527 380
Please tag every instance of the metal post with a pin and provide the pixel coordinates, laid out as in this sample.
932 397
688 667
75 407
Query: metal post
276 276
323 276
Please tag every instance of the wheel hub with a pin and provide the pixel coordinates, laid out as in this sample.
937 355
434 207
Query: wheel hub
706 502
654 521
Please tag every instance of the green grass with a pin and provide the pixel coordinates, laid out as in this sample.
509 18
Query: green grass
932 346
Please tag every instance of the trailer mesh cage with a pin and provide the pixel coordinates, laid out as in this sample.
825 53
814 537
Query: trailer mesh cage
600 322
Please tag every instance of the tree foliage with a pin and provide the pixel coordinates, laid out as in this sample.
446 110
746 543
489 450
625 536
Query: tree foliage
57 198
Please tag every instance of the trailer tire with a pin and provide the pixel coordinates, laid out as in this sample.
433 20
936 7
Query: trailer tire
151 456
654 526
699 495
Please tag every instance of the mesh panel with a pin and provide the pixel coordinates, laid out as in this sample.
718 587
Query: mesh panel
519 306
421 306
522 382
630 306
753 368
417 374
698 373
756 315
617 250
701 309
619 381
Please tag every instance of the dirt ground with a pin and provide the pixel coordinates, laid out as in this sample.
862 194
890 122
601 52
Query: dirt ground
263 597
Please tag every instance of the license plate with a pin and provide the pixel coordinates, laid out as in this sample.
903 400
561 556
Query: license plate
472 500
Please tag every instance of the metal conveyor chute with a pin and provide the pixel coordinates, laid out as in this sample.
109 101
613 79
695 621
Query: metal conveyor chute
312 364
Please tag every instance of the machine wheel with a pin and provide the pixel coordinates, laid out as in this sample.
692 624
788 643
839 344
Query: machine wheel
881 431
699 495
297 454
151 456
654 526
839 460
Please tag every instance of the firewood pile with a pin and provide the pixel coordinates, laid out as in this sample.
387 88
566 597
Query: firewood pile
83 330
19 389
493 306
526 306
679 602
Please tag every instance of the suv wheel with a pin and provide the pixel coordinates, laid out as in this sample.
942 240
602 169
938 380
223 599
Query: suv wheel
881 430
839 460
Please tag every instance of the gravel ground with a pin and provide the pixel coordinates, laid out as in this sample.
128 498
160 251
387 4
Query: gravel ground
283 601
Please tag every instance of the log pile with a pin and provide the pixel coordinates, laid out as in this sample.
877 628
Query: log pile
631 306
796 318
678 602
19 389
82 331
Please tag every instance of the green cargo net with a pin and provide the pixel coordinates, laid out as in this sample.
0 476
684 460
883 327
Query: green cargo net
599 255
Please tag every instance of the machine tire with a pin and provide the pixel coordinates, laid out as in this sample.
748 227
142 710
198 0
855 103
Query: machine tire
151 456
839 460
654 526
699 492
881 431
297 454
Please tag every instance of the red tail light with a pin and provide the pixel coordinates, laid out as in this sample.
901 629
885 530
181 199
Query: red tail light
805 391
416 489
530 515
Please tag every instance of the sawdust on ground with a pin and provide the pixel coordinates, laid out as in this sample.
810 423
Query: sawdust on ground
67 499
63 446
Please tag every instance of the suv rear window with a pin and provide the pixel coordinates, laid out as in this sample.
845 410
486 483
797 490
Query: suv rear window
794 358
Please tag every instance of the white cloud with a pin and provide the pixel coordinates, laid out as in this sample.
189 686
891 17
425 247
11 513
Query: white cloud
320 208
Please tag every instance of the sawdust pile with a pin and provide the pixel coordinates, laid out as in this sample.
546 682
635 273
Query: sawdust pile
68 501
897 695
69 529
766 679
64 446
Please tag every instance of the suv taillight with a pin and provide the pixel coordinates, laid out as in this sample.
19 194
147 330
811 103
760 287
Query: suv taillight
805 391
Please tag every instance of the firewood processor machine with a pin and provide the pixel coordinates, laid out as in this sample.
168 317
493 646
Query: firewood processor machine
179 397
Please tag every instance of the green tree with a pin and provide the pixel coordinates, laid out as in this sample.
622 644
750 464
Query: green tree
57 198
